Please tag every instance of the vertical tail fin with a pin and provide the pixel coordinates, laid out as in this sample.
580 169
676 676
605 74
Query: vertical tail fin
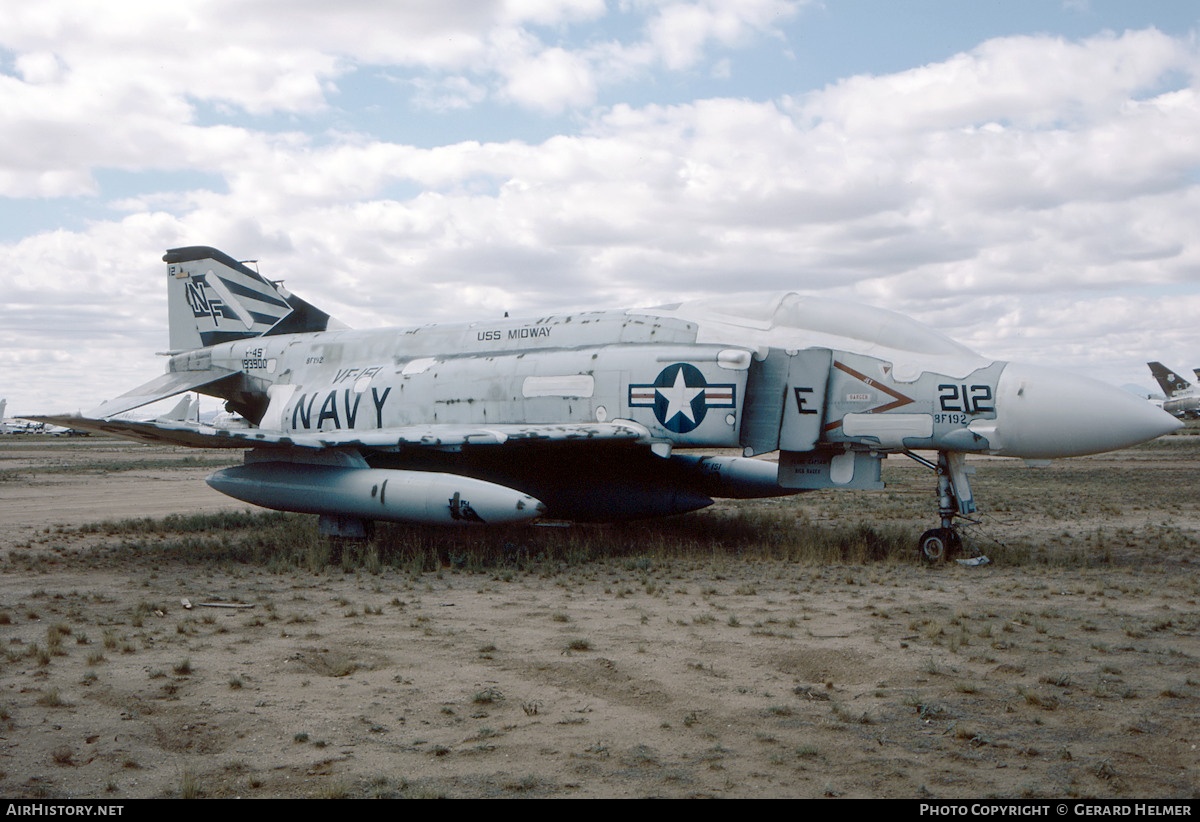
212 298
184 410
1170 382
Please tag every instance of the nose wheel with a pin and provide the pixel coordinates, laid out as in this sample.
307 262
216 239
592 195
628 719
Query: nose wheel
955 499
939 545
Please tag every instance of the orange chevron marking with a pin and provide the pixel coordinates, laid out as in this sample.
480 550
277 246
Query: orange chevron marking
900 399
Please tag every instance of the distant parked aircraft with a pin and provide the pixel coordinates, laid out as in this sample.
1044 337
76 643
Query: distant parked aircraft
1181 397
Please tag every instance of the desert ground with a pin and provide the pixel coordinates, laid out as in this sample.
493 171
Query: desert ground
783 648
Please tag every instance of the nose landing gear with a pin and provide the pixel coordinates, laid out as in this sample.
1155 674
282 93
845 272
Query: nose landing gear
955 499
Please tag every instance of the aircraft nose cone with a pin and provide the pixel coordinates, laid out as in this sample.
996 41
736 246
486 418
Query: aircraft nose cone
1043 413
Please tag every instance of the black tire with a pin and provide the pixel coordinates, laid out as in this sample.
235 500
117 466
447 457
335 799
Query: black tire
939 545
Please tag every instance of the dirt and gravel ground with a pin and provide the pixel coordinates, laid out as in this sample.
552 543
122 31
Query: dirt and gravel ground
1067 667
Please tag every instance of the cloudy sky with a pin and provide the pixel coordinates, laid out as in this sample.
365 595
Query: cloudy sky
1024 175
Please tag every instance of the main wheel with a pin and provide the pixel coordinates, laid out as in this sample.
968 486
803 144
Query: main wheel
939 545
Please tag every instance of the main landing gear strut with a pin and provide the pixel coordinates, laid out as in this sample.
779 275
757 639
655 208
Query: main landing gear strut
955 499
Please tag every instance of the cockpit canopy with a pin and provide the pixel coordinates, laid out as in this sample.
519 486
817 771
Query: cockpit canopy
826 317
793 321
878 326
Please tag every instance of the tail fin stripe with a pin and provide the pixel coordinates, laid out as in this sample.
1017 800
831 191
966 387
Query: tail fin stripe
264 319
252 294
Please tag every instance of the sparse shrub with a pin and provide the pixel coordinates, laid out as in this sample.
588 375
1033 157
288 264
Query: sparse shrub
51 699
488 696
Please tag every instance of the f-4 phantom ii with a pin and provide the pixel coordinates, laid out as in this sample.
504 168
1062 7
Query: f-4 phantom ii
584 416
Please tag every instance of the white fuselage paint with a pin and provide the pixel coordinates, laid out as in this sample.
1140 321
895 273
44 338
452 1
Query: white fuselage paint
683 372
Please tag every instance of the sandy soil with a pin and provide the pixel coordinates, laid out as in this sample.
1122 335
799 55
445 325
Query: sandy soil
676 677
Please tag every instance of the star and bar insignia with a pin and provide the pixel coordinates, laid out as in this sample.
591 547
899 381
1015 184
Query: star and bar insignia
681 397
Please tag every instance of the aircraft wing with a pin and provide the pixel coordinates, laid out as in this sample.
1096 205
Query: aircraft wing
199 435
161 431
453 436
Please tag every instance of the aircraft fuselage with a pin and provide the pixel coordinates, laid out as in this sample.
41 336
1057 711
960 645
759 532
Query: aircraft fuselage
583 415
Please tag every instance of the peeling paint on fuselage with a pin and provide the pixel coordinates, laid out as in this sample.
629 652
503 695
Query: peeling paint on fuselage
477 373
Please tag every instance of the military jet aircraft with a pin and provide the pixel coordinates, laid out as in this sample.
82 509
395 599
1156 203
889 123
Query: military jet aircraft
1181 397
584 416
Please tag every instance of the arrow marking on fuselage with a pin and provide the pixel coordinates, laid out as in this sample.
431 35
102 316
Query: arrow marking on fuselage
900 399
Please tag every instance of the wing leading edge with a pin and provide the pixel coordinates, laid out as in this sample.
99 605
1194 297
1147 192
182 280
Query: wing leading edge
201 435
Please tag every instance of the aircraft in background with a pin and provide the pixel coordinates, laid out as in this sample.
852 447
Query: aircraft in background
185 409
59 430
188 408
1181 397
584 416
17 425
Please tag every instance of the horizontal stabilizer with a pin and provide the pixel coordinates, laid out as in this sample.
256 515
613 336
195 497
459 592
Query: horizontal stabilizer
168 385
